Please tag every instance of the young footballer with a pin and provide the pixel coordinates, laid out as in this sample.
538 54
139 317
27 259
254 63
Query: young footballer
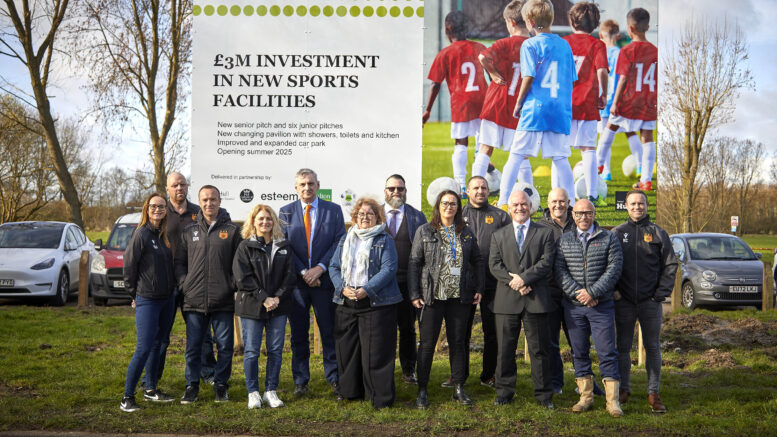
634 104
458 65
497 126
591 64
544 103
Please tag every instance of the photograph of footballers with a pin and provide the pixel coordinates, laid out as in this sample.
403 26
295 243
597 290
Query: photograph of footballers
542 94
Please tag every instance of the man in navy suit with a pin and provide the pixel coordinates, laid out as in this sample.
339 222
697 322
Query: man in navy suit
314 227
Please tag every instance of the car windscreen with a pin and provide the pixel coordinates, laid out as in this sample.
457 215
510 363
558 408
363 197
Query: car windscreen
31 235
719 248
120 236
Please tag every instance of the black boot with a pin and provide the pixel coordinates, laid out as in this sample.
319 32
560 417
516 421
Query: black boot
422 401
459 395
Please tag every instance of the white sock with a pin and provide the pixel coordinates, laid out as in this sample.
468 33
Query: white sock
636 148
459 160
525 174
589 172
648 160
603 148
480 166
509 174
606 164
561 172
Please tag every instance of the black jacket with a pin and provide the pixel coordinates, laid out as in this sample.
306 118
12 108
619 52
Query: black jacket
555 289
649 263
203 264
484 222
257 279
425 262
148 265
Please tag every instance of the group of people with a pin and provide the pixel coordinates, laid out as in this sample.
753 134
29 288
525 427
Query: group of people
390 270
549 94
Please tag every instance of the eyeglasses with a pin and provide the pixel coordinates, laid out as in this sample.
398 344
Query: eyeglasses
362 215
449 204
153 207
398 189
581 214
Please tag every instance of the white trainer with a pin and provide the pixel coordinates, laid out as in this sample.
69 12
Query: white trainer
254 400
271 398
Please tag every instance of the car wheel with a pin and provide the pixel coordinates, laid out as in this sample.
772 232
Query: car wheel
63 290
100 301
688 297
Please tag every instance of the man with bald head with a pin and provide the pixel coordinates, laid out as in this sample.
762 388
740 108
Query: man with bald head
521 259
587 267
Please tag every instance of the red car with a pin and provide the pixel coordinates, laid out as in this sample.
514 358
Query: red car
107 279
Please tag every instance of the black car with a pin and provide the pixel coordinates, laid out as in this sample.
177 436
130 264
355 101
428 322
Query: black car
718 269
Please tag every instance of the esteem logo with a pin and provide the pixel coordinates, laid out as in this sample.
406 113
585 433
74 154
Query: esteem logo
278 196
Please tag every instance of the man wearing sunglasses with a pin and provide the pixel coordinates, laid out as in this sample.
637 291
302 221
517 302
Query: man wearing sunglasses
402 221
588 264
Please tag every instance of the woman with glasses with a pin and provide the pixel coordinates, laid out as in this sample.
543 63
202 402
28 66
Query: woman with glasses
149 279
363 270
263 269
445 267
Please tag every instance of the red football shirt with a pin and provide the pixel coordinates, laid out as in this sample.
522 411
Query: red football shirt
590 55
638 65
459 66
500 99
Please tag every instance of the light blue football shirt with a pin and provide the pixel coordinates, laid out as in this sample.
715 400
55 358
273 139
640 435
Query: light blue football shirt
548 105
612 82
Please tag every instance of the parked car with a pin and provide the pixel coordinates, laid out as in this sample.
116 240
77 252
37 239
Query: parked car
108 265
41 259
718 269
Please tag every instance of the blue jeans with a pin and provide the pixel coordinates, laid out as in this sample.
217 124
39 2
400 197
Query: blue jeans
152 324
196 326
649 315
299 320
252 340
599 321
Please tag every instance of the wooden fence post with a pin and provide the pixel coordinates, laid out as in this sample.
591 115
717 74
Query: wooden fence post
238 343
316 337
83 279
677 292
767 288
640 347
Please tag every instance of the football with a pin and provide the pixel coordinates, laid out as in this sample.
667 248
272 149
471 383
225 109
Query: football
532 192
578 171
494 178
581 189
629 166
439 185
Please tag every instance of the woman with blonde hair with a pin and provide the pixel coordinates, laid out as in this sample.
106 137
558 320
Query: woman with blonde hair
264 271
149 279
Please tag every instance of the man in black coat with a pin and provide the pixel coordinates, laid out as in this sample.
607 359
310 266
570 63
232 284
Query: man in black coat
521 260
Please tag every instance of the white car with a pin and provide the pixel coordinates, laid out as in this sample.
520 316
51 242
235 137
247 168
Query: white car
41 259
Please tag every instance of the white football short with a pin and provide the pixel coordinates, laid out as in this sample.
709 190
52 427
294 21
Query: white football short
465 129
498 137
603 124
631 125
530 143
582 133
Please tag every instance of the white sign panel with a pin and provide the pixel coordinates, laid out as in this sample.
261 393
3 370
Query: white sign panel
333 87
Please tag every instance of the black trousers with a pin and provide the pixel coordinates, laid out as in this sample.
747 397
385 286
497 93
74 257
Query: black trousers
508 328
556 323
406 317
365 340
456 315
490 344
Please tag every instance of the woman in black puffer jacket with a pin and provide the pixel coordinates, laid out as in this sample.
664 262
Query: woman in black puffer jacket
263 269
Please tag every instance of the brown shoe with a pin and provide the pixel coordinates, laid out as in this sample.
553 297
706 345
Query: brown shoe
655 403
623 396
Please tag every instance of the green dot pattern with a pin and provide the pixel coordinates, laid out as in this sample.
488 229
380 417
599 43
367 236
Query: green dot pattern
314 10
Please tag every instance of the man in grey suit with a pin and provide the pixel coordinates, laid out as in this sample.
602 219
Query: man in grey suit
521 259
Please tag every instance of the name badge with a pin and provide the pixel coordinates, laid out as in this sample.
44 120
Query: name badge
456 271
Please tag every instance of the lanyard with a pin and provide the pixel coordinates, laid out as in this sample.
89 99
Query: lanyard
452 240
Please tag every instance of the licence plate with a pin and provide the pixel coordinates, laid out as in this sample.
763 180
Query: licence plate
6 282
743 289
118 284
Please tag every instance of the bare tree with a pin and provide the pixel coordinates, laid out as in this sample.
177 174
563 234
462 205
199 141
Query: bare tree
704 70
137 55
31 40
744 171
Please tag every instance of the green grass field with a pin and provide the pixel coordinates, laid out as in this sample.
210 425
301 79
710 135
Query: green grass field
63 369
438 147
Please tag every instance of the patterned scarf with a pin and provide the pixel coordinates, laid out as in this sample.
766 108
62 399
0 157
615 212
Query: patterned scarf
363 255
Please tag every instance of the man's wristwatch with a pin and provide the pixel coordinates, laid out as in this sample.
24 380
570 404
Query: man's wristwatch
302 273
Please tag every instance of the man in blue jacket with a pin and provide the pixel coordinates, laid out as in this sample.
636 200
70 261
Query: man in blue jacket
588 264
314 227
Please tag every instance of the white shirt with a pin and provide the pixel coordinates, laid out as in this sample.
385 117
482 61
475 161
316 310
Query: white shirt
313 219
525 229
400 216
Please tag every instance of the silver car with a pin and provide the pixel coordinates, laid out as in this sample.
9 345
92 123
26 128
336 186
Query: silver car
718 269
41 259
